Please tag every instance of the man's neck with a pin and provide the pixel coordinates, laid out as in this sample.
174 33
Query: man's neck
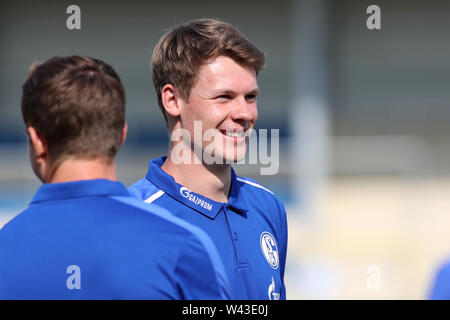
81 169
211 181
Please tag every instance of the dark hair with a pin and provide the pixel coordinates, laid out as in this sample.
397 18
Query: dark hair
77 104
181 52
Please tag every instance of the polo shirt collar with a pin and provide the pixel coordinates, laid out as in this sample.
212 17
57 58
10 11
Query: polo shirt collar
199 203
79 189
235 201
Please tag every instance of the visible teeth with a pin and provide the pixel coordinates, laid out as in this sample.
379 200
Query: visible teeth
234 134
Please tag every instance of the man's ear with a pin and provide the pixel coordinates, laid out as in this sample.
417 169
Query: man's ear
38 154
37 144
124 133
170 98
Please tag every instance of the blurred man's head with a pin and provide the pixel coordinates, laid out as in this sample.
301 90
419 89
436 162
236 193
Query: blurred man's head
206 71
73 108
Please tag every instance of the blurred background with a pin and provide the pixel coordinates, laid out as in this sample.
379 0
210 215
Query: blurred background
363 118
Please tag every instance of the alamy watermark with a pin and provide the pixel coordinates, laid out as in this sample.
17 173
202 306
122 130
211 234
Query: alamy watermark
73 282
73 21
373 22
213 146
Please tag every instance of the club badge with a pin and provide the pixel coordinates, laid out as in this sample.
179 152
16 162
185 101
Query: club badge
269 249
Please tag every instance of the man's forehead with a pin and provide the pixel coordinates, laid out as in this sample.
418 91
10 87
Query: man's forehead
223 73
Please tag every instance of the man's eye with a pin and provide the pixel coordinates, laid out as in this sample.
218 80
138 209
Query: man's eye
224 96
250 97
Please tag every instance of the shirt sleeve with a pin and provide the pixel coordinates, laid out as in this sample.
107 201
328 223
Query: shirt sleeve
199 272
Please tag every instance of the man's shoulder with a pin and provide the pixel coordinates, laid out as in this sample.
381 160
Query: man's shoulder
16 220
254 189
263 199
256 186
124 212
158 215
143 189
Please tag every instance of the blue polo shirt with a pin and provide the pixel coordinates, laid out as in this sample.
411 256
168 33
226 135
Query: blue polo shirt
249 231
91 240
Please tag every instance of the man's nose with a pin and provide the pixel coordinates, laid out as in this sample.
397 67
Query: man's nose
244 110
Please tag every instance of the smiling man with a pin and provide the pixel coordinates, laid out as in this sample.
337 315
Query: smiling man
205 76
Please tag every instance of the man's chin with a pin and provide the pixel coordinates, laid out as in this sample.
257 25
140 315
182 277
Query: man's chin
222 159
233 158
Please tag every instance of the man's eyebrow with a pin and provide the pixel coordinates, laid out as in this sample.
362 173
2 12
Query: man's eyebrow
232 92
254 91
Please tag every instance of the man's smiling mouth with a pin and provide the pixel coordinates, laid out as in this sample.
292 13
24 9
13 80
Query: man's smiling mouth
233 133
